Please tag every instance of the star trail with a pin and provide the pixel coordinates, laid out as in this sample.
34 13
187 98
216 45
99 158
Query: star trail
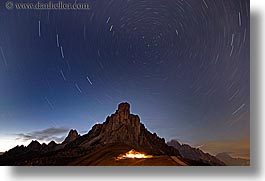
183 65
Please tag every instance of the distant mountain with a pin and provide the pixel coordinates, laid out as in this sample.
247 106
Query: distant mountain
121 132
73 134
1 153
230 161
34 146
188 152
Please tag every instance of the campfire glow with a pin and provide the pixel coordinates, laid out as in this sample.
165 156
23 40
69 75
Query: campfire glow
133 154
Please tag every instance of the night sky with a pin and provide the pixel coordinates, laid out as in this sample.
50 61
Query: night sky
183 65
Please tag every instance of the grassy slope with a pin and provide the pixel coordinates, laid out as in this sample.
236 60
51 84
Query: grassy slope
108 154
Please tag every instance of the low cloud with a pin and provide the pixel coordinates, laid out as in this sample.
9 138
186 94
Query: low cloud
44 135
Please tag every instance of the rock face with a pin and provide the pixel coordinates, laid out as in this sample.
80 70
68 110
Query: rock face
124 127
196 154
123 111
121 127
34 146
230 161
50 147
72 135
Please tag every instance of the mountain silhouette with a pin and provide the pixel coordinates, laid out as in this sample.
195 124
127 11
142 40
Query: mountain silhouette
72 135
230 161
188 152
120 133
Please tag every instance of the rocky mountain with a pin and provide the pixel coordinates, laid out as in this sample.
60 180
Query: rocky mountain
121 132
72 135
123 127
230 161
34 146
188 152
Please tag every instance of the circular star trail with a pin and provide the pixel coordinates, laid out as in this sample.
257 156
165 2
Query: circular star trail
182 64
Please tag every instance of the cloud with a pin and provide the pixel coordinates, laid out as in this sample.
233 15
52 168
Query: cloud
44 135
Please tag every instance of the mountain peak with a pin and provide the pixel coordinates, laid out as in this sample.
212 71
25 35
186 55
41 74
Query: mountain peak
52 143
123 127
196 154
34 142
34 145
175 143
123 110
72 135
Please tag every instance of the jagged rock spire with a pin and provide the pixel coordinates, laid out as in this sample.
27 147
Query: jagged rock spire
124 110
72 135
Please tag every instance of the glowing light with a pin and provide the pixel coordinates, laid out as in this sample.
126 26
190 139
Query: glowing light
133 154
